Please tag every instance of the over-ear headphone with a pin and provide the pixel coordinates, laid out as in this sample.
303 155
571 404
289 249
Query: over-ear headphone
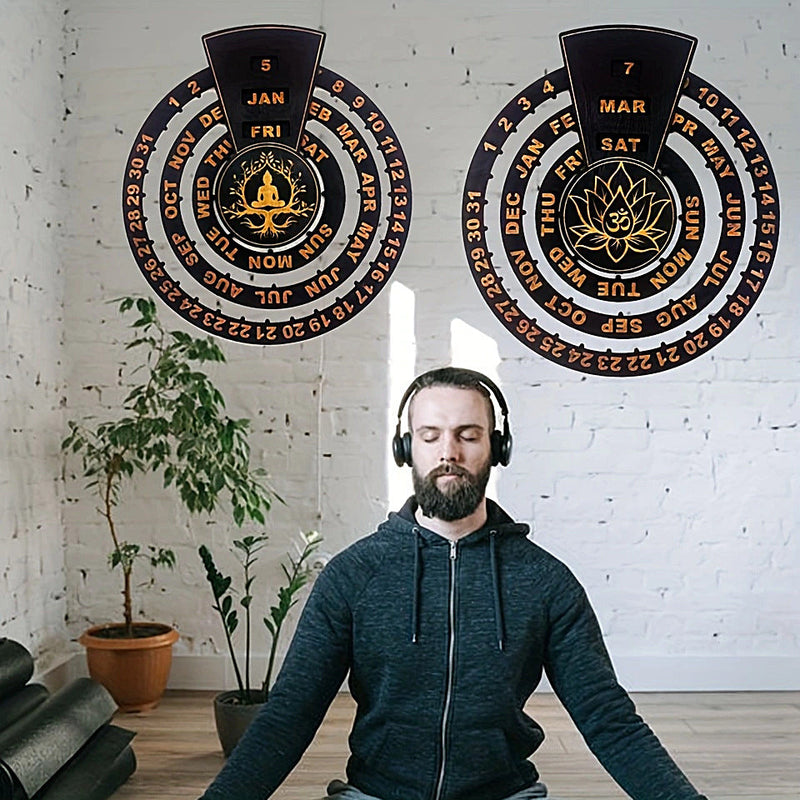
501 442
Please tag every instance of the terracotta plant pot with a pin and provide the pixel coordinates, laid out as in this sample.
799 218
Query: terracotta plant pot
135 671
233 717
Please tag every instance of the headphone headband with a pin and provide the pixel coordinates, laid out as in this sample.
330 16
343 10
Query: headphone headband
500 442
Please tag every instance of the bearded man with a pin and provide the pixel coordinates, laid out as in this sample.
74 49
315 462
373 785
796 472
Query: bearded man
444 620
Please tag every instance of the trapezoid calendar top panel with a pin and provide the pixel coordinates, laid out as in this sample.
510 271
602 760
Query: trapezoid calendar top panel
625 83
264 76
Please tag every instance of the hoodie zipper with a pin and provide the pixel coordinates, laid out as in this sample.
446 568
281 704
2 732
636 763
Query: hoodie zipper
450 666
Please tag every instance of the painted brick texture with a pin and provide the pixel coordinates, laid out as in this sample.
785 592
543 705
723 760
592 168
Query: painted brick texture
32 588
673 497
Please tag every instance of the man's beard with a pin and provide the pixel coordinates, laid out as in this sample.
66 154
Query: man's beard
460 498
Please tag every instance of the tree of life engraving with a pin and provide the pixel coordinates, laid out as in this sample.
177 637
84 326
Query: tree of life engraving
279 200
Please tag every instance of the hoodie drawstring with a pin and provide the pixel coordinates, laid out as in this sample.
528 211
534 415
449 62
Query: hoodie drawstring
498 608
416 588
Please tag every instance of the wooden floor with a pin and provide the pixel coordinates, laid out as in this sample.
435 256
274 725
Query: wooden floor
733 746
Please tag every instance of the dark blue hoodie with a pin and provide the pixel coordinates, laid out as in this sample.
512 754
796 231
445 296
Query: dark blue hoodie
444 642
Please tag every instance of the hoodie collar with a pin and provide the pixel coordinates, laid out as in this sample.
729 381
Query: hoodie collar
497 521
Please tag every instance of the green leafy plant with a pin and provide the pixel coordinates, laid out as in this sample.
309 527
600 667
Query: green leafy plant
296 575
172 423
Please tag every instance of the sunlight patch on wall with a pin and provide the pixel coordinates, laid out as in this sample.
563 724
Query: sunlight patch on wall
402 365
473 349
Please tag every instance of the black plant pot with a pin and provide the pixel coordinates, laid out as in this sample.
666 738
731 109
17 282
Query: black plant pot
233 716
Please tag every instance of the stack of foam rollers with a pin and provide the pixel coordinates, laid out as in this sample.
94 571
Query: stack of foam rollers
59 746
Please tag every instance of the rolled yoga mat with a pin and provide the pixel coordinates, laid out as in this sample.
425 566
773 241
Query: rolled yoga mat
16 667
99 769
18 705
34 749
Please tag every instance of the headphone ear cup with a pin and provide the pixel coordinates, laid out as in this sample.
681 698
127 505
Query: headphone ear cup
406 445
401 449
501 448
397 450
506 442
496 443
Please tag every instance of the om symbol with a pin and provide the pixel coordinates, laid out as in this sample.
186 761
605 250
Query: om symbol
618 223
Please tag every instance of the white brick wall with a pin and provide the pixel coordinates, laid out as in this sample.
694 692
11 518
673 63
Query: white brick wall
32 588
671 497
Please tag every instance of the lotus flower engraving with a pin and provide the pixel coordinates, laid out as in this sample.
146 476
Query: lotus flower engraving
618 216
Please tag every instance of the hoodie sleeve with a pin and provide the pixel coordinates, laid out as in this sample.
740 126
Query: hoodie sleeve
580 671
313 671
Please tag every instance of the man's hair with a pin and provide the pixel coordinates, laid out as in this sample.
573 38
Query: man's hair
458 379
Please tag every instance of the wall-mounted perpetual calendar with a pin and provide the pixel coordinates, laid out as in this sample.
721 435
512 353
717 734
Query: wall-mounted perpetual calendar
266 199
620 215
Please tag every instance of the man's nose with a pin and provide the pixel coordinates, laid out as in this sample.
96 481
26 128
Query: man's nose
450 450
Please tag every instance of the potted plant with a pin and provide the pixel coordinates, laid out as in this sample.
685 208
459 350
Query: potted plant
234 709
171 423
